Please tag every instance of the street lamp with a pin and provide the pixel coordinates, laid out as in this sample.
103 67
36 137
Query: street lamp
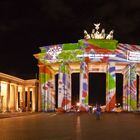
78 104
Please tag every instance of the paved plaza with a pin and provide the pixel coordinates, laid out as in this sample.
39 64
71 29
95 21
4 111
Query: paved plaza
71 126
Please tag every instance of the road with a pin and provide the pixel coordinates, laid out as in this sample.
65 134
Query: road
69 126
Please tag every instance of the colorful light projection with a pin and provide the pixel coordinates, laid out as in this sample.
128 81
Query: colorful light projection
64 96
47 98
84 86
81 57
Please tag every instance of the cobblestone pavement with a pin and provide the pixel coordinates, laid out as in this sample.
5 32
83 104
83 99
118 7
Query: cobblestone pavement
71 126
16 114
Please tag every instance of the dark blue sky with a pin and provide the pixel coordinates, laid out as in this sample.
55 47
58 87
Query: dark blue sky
27 25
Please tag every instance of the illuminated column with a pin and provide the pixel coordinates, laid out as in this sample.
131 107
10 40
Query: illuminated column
139 93
3 96
61 86
130 88
36 90
50 93
60 89
46 87
110 87
68 88
64 92
28 99
83 86
41 88
22 105
33 99
16 97
132 95
51 98
125 87
39 97
8 97
43 77
12 97
36 96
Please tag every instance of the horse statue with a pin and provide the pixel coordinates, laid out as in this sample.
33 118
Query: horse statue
86 35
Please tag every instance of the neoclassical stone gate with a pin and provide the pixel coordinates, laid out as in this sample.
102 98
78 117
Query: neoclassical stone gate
88 55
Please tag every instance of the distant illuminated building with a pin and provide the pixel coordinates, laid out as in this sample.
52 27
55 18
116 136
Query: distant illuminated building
97 52
17 94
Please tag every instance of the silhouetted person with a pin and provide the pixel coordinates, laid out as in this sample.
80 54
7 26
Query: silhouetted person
90 109
98 112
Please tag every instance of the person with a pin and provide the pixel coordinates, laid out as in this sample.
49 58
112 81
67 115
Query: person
98 112
90 109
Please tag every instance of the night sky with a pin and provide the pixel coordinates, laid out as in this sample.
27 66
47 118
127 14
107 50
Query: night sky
27 25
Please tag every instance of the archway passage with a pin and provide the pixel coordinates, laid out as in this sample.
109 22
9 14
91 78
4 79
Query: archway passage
97 88
75 77
26 98
56 90
18 99
119 88
30 99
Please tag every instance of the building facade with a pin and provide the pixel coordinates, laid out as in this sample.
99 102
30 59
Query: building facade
17 94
